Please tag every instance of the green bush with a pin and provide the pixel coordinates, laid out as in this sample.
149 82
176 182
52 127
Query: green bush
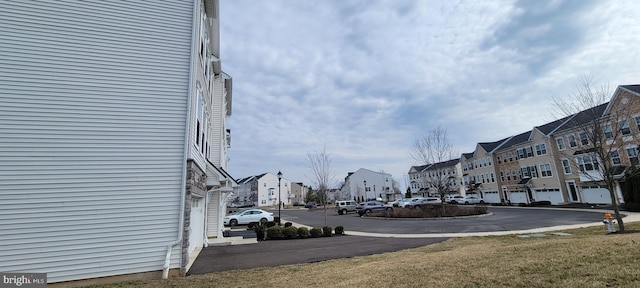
290 232
326 231
339 230
303 232
315 232
288 224
274 232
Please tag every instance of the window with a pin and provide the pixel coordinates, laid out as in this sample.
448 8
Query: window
633 155
545 170
541 149
501 176
493 178
623 125
608 132
615 157
560 142
529 172
508 175
567 166
529 151
572 141
584 138
638 122
587 162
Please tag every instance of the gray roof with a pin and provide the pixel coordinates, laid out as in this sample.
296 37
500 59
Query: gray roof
490 146
516 140
584 117
634 88
444 164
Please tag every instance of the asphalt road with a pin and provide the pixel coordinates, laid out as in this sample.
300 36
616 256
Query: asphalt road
284 252
500 219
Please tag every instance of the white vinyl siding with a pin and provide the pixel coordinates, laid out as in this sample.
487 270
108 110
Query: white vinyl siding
92 118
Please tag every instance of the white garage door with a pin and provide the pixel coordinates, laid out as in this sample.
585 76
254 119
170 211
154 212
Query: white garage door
491 197
518 197
196 224
553 195
595 195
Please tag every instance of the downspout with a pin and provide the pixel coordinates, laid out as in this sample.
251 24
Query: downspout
187 143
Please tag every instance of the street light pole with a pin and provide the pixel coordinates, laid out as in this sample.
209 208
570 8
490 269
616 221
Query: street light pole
279 199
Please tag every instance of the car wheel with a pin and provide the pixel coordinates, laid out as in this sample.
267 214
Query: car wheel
481 202
233 222
263 220
389 208
466 202
453 202
367 211
344 211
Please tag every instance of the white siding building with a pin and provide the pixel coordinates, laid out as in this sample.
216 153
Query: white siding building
113 148
366 184
262 190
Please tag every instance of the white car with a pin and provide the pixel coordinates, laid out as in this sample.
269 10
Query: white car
453 199
247 216
409 201
428 200
470 200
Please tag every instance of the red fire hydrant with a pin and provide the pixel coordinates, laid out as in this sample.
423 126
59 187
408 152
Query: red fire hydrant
609 222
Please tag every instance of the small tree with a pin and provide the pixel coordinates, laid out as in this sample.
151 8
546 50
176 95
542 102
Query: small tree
408 194
320 166
435 149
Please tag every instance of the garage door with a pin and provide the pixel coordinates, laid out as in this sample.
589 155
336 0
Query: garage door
491 197
518 197
552 195
595 195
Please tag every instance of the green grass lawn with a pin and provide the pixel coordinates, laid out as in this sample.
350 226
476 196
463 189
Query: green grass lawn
587 258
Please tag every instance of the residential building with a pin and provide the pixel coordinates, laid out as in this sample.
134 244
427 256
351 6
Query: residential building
479 172
114 137
417 180
262 190
366 184
443 176
298 192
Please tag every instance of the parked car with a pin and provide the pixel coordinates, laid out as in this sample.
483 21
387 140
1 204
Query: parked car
453 199
298 203
370 206
395 203
345 206
470 200
310 205
409 201
428 200
247 216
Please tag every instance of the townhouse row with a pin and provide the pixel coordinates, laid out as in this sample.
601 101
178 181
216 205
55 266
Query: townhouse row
556 162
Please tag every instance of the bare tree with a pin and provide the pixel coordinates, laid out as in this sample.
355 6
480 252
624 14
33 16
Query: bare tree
322 175
599 133
435 149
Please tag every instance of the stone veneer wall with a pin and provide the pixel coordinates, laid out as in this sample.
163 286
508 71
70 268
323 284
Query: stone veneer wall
196 187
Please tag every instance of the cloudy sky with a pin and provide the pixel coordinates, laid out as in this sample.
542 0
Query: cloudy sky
366 78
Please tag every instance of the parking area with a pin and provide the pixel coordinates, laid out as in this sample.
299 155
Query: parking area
499 219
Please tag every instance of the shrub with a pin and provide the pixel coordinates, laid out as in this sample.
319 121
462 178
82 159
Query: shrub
274 232
315 232
290 232
288 224
303 232
339 230
260 230
326 231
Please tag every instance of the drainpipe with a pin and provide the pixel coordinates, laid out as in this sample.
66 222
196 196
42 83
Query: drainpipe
187 143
